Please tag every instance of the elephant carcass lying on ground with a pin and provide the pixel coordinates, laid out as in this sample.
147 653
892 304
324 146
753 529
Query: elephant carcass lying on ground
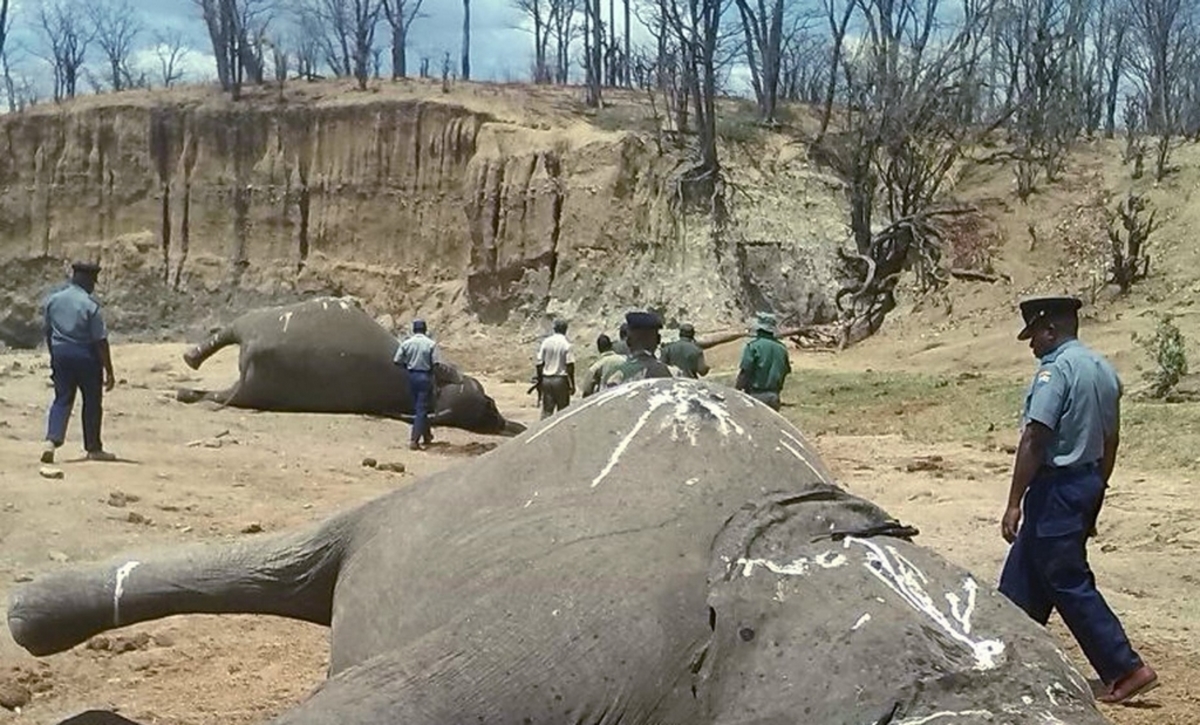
326 355
668 551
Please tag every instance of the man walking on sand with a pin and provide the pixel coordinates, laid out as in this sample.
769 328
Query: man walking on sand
80 360
418 354
1071 430
555 370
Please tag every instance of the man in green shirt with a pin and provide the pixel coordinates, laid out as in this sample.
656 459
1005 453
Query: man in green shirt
765 364
608 362
642 338
685 354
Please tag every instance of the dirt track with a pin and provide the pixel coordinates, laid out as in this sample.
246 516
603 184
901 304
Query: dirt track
192 473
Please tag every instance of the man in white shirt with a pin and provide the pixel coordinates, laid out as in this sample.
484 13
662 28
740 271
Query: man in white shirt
556 370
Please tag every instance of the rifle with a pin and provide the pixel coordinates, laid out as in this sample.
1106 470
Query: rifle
537 385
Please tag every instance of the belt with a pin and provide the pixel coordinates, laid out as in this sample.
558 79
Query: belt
1075 468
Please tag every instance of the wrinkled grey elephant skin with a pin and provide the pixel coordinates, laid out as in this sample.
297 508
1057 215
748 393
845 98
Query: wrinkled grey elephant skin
668 551
327 355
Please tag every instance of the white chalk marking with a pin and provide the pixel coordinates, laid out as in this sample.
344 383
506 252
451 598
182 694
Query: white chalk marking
119 589
691 482
958 610
685 398
615 456
1027 699
799 455
829 560
906 581
629 390
861 621
325 304
285 318
940 715
530 501
798 567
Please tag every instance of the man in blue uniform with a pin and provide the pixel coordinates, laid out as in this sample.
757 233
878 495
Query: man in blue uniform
1071 426
418 354
79 360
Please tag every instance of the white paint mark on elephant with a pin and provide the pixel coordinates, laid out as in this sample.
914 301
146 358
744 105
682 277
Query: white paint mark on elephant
799 455
829 560
692 407
962 611
119 588
1027 699
942 715
691 482
325 304
907 581
530 501
286 318
861 621
627 390
780 594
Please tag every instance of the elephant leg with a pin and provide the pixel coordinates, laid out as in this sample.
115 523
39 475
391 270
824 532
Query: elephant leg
289 575
197 355
228 396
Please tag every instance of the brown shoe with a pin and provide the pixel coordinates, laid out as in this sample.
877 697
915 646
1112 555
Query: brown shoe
101 456
1138 682
48 452
414 446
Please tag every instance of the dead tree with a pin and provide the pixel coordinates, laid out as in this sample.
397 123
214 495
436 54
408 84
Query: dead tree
170 50
1162 36
838 16
465 66
116 28
902 134
539 13
64 26
365 19
763 27
6 19
1130 261
307 42
401 14
233 27
594 63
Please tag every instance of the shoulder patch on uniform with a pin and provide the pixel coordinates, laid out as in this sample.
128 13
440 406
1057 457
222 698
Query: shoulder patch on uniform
1043 376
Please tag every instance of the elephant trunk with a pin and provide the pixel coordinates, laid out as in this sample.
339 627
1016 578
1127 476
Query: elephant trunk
197 355
290 575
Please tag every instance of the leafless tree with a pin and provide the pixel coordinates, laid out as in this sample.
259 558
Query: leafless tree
365 20
5 24
563 30
170 50
909 86
768 26
593 40
67 35
116 27
234 27
538 12
1162 32
307 41
400 15
466 41
838 13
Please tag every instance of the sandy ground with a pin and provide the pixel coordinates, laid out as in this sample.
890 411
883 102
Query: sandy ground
191 473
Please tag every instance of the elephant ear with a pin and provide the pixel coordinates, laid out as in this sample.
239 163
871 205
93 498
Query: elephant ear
445 373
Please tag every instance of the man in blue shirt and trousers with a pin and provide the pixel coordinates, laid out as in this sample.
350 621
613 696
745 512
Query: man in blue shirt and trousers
418 354
1071 426
79 360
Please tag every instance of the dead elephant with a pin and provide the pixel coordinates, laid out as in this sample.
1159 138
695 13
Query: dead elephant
690 561
326 355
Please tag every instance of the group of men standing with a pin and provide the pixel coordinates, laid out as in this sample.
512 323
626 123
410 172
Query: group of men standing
764 365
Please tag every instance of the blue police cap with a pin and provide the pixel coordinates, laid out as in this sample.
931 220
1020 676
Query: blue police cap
418 325
1038 308
642 321
83 267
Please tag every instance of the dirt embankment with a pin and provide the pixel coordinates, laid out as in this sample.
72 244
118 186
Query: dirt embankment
465 210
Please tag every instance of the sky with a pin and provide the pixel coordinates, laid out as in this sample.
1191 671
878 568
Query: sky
501 50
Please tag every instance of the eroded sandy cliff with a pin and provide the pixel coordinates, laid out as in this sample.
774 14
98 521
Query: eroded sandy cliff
486 206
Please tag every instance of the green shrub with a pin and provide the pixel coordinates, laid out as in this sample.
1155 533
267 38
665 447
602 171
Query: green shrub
1167 350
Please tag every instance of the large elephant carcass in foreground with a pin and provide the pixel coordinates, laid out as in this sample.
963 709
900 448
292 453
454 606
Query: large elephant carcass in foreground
668 551
326 355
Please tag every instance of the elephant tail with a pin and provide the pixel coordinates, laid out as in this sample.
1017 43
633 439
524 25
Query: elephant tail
224 337
288 575
222 397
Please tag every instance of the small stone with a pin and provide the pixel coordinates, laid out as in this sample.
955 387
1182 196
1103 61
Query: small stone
370 462
99 643
136 518
392 467
254 528
1108 548
59 557
138 641
164 640
22 578
119 499
13 695
50 472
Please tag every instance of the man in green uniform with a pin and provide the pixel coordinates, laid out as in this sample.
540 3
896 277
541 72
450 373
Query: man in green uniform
608 362
765 364
1070 434
643 339
685 354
